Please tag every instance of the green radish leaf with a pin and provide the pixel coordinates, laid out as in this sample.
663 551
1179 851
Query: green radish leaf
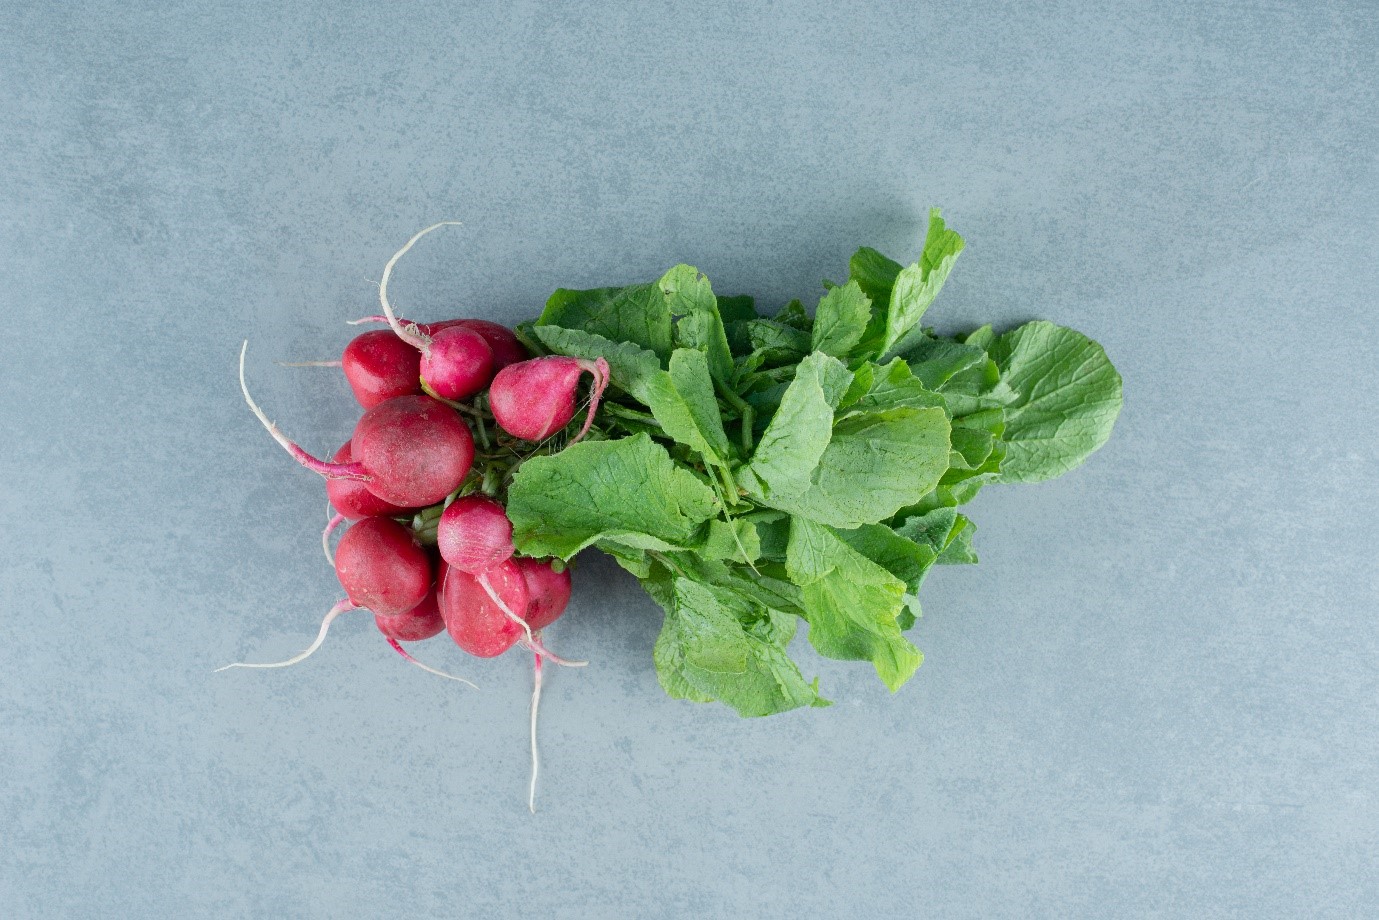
1062 398
637 314
840 320
917 285
628 490
900 454
716 645
850 603
683 402
875 274
798 434
689 298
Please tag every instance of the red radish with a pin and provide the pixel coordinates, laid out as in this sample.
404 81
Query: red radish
418 450
379 366
474 534
382 568
457 364
536 398
549 591
421 622
353 499
411 451
504 344
475 621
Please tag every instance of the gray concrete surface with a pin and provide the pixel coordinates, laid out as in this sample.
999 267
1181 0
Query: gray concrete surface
1155 697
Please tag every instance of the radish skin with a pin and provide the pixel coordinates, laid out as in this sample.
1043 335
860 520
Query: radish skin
534 399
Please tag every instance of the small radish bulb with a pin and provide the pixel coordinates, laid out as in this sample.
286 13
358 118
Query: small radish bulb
378 366
382 568
474 534
411 451
549 590
534 399
458 363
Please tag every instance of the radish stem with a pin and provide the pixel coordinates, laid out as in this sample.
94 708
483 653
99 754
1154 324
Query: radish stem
342 607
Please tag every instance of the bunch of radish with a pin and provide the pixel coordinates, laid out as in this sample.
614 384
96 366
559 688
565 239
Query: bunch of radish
450 410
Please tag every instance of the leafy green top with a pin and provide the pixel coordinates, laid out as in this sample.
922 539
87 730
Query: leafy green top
757 471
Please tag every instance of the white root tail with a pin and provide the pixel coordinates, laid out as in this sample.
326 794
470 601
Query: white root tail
535 704
426 667
333 522
408 332
342 607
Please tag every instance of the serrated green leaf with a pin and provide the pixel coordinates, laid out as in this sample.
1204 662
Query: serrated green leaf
875 274
959 549
798 434
732 541
850 603
794 315
689 297
736 307
683 402
628 490
891 387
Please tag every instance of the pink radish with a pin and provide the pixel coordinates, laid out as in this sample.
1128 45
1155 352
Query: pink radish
379 366
475 621
501 340
474 534
418 450
382 568
549 591
421 622
534 399
352 498
411 451
457 364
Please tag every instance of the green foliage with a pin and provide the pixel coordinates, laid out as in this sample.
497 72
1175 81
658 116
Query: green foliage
754 472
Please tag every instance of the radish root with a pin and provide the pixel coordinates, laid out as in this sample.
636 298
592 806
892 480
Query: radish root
535 704
426 667
335 521
342 607
329 470
408 332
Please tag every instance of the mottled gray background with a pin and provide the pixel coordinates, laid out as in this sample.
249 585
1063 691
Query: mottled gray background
1156 696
